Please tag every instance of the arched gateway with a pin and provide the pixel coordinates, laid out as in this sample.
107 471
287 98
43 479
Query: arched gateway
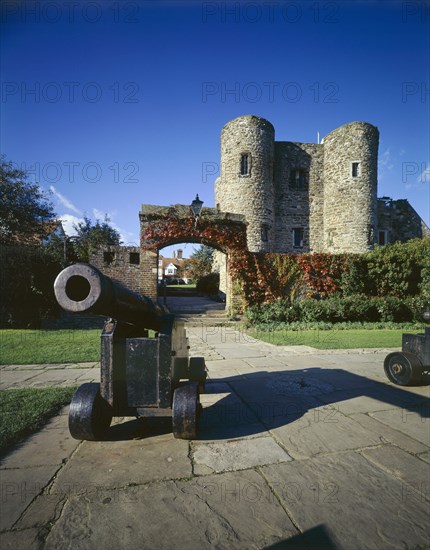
162 226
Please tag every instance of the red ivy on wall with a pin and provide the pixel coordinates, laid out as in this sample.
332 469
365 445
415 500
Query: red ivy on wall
262 277
168 231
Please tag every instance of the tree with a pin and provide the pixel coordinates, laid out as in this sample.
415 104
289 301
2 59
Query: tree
24 206
201 262
91 236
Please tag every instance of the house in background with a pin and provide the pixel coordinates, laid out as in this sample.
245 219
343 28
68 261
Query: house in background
172 268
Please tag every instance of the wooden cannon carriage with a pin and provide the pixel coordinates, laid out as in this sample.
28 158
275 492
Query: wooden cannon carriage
145 368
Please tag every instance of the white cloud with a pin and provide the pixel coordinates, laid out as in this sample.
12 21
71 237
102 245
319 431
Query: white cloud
424 177
127 237
386 160
68 221
64 201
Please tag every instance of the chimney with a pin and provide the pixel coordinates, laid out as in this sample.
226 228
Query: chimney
179 253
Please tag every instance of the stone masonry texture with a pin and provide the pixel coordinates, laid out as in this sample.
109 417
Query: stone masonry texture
327 191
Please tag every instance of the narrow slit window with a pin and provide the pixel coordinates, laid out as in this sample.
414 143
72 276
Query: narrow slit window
382 237
355 169
264 233
244 164
298 237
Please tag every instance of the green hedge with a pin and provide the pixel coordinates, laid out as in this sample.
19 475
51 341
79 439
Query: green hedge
398 270
339 309
209 284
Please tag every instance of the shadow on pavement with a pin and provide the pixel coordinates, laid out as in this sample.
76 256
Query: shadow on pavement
252 404
317 538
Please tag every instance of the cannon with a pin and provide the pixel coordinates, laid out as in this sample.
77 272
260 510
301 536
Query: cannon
411 366
145 368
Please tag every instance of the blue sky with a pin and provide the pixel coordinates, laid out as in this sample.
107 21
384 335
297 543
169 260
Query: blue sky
111 104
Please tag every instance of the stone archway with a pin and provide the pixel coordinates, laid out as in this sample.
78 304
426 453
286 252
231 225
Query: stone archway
162 226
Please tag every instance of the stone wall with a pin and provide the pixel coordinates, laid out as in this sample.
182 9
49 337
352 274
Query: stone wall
130 266
298 206
400 220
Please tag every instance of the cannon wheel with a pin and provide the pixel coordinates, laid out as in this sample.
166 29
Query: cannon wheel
403 368
186 411
197 371
90 415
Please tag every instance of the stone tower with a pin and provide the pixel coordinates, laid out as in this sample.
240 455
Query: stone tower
309 197
246 182
350 188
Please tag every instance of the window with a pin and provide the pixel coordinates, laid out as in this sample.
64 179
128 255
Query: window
244 164
170 271
382 237
134 258
298 178
298 237
355 169
264 233
370 235
108 257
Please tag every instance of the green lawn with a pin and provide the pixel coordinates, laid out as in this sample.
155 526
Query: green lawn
24 347
334 339
23 411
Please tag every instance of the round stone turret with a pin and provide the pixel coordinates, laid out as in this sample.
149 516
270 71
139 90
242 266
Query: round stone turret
350 188
245 185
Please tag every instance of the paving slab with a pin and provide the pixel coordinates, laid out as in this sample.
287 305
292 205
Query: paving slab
47 447
404 466
387 434
425 456
233 351
338 428
322 431
271 407
14 540
415 424
16 379
361 505
44 510
236 455
372 399
18 488
110 464
224 512
60 377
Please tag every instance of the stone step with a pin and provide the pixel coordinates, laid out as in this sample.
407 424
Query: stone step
207 320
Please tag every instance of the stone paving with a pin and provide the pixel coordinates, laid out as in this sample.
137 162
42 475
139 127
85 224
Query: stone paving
298 448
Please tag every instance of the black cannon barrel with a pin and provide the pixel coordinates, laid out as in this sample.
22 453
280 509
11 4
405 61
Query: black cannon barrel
83 288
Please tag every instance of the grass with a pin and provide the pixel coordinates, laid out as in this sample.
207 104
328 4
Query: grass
24 411
333 339
190 286
24 347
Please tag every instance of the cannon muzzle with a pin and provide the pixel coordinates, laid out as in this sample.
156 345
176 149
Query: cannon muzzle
83 288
